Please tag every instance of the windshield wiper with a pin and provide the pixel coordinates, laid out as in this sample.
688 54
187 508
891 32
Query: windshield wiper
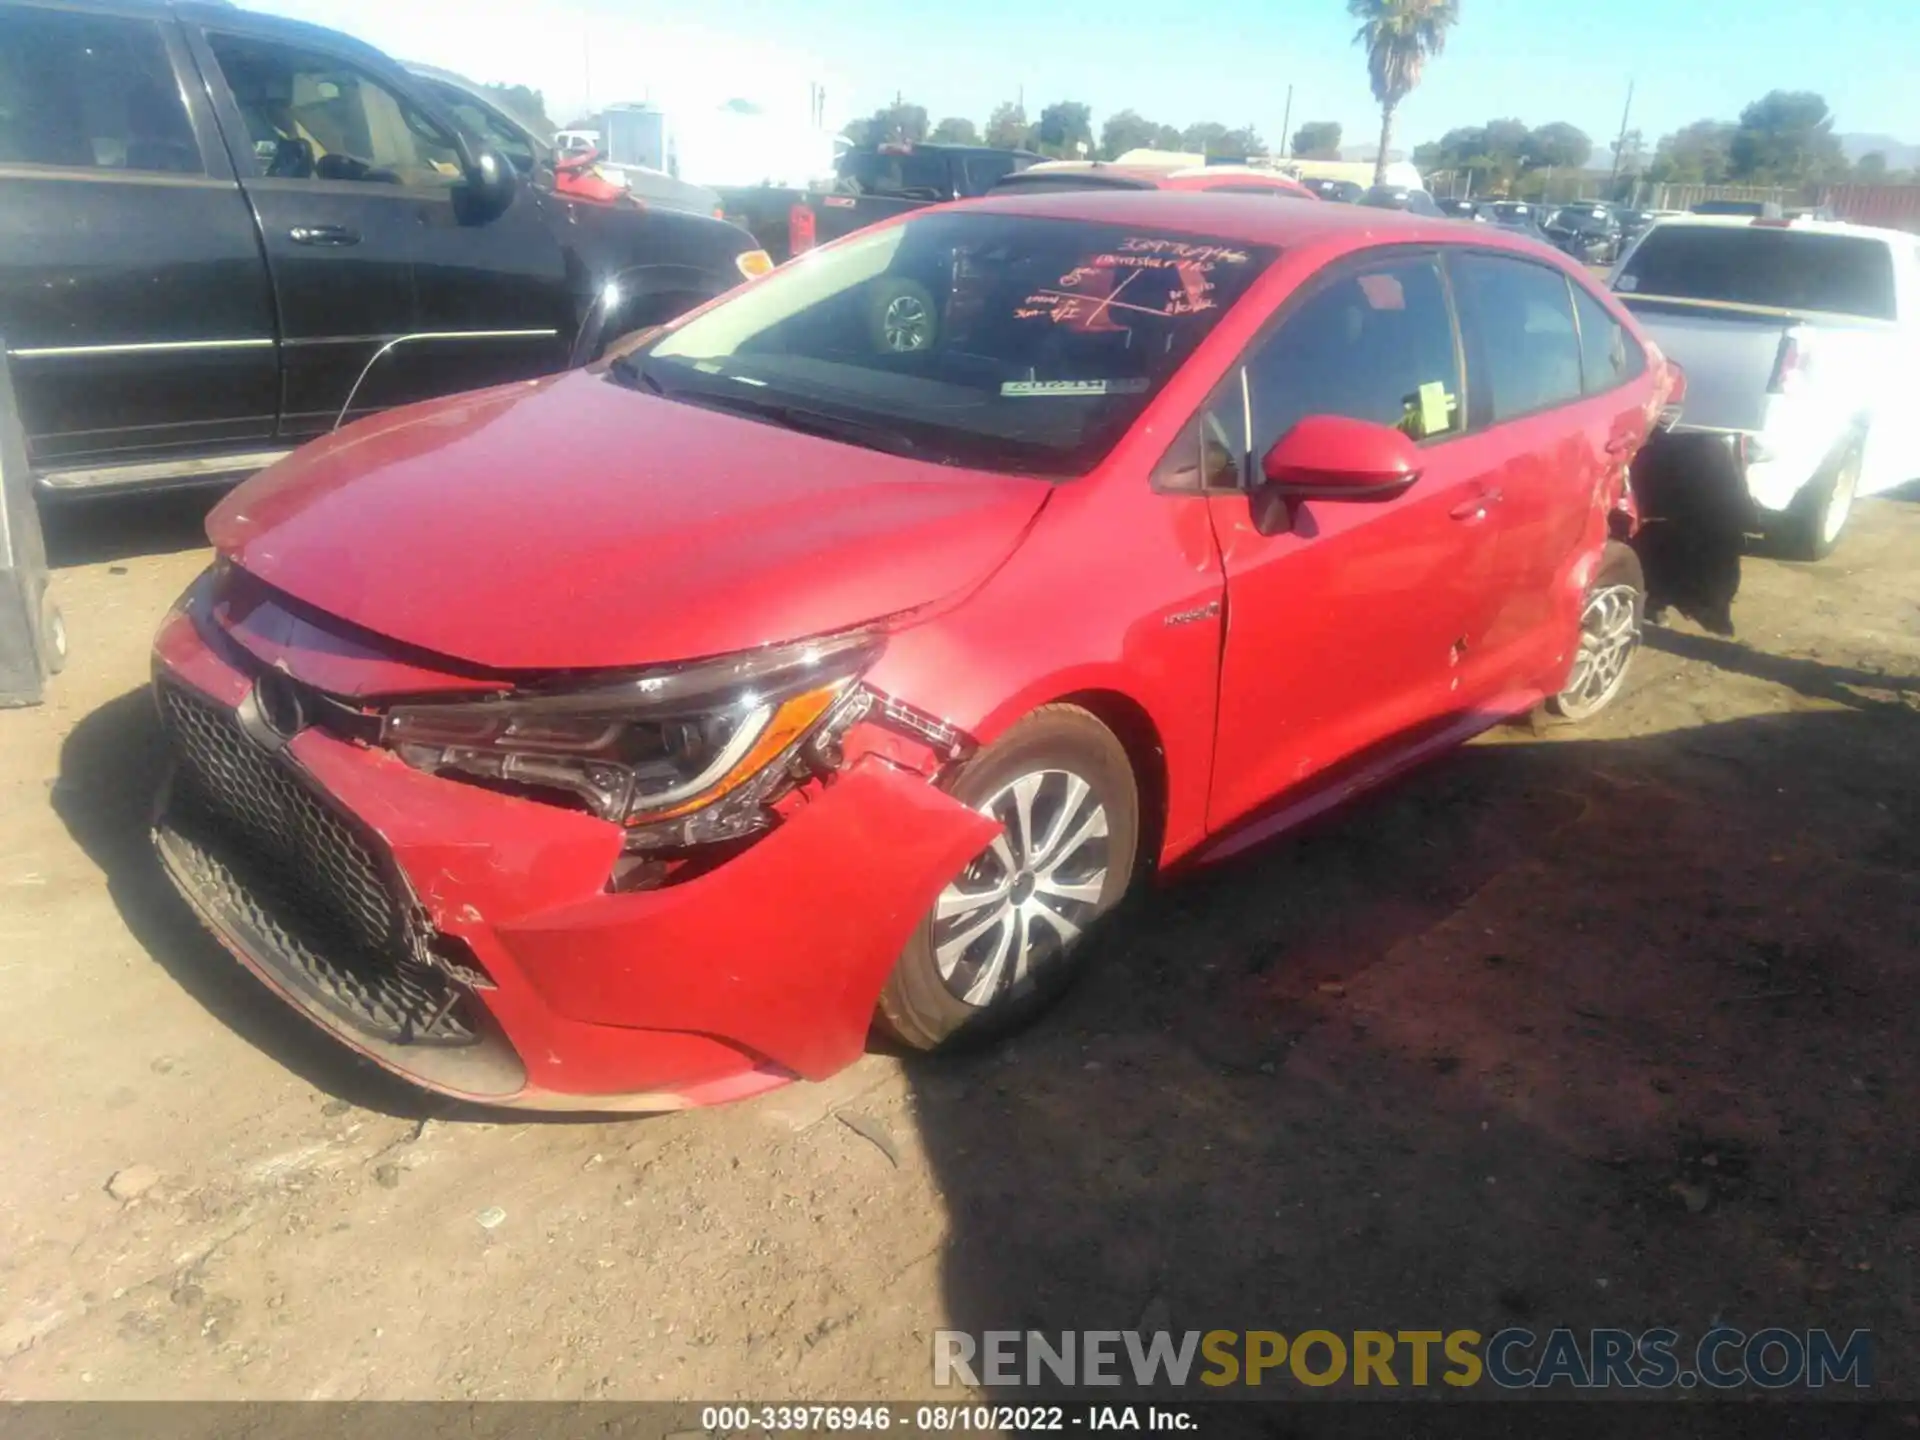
630 369
804 419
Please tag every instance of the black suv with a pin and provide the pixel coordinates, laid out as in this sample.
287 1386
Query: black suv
223 233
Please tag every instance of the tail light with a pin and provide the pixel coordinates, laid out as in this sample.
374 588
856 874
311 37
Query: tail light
1675 402
1789 366
800 233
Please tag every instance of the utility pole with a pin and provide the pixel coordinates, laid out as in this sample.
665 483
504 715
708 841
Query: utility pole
1286 130
1625 116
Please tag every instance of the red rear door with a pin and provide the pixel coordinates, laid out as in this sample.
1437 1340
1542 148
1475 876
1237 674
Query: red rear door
1559 421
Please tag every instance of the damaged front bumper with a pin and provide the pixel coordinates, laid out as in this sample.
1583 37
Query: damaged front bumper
469 941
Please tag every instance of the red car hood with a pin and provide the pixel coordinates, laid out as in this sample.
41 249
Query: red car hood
572 523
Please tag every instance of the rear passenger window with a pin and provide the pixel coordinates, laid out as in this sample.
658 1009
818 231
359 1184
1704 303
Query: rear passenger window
90 92
1374 345
1523 350
1609 356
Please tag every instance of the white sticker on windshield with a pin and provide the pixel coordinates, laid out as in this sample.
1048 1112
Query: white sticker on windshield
1628 283
1073 387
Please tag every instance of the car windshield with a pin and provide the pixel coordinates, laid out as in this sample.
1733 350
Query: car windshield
1007 342
1764 265
1582 220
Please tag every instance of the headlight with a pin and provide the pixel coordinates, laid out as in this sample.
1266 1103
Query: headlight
679 756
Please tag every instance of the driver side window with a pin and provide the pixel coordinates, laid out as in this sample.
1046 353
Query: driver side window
311 116
1374 344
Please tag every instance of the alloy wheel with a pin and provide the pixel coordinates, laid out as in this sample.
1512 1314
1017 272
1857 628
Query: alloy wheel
1028 896
1609 634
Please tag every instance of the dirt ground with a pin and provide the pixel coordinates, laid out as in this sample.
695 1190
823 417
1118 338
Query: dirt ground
1602 1027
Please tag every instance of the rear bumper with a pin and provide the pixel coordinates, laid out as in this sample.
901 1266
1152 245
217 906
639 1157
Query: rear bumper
1774 470
763 969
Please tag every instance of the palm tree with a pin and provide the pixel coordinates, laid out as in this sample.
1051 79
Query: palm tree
1400 36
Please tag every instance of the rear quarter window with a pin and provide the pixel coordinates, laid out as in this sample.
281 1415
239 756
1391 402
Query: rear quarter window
1609 355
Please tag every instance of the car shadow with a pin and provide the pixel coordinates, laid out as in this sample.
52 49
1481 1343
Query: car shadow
106 528
110 767
1812 678
1557 1032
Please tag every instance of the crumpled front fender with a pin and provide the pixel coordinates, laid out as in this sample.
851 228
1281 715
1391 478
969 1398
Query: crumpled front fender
784 948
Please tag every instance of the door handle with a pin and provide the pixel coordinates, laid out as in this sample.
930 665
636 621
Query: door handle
1476 508
323 235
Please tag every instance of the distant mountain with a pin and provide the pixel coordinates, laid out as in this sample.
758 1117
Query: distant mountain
1900 154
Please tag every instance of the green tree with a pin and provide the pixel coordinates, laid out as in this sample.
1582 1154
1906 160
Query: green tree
1064 127
1317 140
1400 37
1203 138
1491 156
1166 137
1128 130
1871 168
1695 154
1558 146
1785 138
896 123
956 130
1240 144
1007 127
526 105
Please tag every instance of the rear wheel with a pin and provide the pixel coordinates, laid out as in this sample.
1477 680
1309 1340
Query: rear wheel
1812 525
1004 938
1610 623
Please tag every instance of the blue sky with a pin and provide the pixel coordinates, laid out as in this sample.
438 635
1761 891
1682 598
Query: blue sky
1232 60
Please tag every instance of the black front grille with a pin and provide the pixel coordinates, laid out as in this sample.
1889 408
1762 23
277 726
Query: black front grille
261 845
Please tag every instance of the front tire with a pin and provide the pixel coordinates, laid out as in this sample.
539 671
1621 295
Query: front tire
1610 627
1812 525
1006 936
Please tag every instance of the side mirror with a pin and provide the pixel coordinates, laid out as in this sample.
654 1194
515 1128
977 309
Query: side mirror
491 182
1331 457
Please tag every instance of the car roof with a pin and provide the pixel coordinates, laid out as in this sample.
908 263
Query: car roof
215 12
1247 219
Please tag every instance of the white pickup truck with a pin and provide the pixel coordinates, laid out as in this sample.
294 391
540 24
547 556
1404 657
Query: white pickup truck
1801 345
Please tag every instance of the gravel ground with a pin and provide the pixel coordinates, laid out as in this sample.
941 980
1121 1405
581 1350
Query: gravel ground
1600 1027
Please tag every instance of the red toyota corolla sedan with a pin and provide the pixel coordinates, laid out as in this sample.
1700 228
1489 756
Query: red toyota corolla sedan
634 738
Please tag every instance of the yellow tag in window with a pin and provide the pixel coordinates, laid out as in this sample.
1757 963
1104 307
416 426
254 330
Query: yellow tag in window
1436 409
